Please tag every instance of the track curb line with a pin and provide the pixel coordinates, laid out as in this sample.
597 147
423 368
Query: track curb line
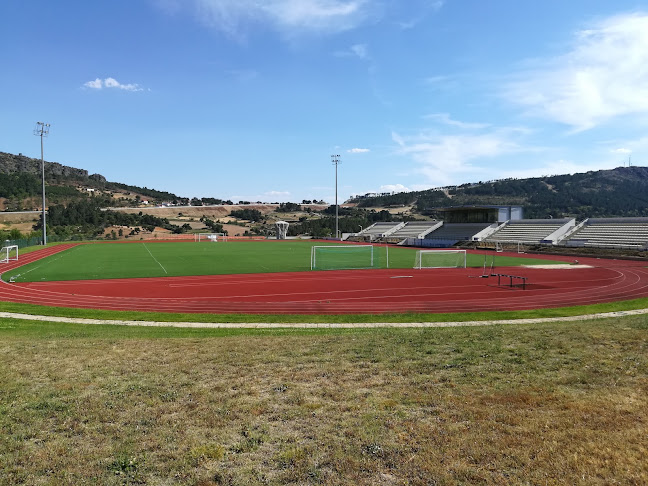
316 325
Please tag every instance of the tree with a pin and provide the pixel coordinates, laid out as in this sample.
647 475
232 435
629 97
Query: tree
249 214
288 207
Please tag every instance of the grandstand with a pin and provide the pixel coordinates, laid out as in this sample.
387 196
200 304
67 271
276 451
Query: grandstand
485 224
528 231
609 233
449 234
413 229
379 230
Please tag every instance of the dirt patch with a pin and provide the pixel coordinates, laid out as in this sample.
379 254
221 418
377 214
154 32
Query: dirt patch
22 227
19 217
234 230
197 211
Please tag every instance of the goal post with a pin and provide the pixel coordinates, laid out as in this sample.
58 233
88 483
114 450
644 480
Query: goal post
9 253
440 259
343 257
524 246
214 237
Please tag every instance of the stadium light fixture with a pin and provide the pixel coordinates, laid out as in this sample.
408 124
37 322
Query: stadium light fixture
42 130
335 160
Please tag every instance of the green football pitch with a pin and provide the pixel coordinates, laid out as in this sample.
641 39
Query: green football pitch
165 259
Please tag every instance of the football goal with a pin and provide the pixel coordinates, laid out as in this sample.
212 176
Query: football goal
210 237
8 253
282 229
524 246
342 257
440 259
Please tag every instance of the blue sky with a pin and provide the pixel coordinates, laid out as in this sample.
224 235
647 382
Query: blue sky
248 99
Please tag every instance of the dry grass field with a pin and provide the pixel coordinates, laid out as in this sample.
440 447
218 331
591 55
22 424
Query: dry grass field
544 404
213 212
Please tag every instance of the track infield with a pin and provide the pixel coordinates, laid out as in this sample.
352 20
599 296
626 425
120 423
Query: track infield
344 292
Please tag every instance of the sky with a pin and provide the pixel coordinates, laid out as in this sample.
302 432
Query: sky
249 99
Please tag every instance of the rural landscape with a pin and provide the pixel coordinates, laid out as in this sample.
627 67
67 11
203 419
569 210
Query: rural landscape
353 398
324 242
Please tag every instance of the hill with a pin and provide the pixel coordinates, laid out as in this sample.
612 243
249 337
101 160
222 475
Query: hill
20 185
620 192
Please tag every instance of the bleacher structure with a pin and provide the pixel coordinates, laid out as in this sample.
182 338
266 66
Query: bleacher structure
412 229
504 228
448 234
630 233
378 230
396 232
530 231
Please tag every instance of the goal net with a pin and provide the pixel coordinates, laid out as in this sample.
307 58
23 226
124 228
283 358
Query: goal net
342 257
282 229
440 259
8 253
210 237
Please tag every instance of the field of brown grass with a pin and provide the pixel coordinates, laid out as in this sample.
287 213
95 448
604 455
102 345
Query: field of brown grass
212 212
545 404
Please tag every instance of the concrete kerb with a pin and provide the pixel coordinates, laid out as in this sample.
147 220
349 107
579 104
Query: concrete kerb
316 325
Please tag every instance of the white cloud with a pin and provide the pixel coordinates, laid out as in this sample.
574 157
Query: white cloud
445 119
424 7
437 79
637 147
360 50
357 50
111 83
267 197
394 188
441 157
550 168
603 76
96 84
623 151
358 150
386 188
309 16
315 14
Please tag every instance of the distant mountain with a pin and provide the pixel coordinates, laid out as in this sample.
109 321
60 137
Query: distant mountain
13 164
620 192
20 183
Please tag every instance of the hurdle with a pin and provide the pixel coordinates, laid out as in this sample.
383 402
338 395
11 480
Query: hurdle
511 278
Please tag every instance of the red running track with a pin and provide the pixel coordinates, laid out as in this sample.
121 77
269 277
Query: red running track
342 292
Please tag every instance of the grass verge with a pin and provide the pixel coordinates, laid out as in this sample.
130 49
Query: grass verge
544 404
583 310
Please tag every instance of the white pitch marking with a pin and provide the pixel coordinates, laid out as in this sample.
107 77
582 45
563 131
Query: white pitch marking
155 258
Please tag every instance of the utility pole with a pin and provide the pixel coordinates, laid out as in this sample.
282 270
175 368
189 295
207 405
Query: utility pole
335 160
42 130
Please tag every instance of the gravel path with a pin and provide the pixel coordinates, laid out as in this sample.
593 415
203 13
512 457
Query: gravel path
313 325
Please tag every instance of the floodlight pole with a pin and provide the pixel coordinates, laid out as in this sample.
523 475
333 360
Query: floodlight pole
42 130
335 159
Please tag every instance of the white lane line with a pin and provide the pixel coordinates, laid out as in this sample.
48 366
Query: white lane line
156 261
46 262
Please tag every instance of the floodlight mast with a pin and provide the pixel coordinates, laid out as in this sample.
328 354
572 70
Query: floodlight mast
42 130
335 160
